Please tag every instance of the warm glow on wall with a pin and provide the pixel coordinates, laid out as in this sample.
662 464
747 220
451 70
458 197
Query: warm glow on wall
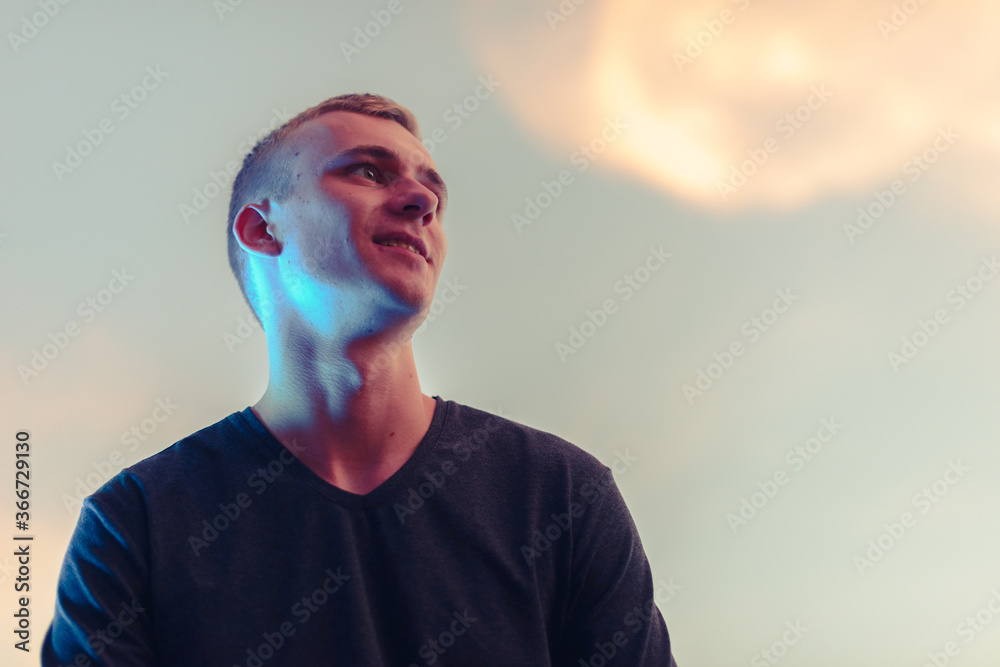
736 104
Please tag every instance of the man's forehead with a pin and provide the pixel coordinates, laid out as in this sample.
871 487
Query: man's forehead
338 131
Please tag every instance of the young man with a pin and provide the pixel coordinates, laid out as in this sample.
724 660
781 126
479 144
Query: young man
346 518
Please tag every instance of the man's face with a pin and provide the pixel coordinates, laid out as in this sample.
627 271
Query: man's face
359 183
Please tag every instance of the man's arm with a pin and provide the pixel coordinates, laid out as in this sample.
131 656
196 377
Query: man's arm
101 603
612 611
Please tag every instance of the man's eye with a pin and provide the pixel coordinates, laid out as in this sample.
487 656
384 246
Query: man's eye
368 171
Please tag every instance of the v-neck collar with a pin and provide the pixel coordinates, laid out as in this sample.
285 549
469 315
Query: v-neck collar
272 449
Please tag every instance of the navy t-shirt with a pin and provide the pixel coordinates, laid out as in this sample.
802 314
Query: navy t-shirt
494 544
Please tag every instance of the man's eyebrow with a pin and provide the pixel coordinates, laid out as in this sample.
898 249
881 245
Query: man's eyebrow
389 155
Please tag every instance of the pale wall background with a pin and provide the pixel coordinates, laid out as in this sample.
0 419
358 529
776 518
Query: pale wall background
695 88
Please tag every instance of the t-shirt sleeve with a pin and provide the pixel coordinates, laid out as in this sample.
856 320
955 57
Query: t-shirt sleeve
612 610
101 615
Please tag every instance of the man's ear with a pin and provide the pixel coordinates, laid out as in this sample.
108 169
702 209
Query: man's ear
254 232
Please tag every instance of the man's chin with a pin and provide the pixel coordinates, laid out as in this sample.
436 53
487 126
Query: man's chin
413 305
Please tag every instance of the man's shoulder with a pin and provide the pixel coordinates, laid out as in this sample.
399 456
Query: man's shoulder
212 442
182 463
499 435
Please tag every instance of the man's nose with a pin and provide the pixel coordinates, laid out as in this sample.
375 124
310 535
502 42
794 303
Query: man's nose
415 200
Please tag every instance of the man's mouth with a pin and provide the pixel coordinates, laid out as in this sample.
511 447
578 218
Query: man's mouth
399 244
398 239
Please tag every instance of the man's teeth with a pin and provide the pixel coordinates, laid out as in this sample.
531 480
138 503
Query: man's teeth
399 244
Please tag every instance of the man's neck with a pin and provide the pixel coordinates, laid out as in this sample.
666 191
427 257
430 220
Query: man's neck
353 413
